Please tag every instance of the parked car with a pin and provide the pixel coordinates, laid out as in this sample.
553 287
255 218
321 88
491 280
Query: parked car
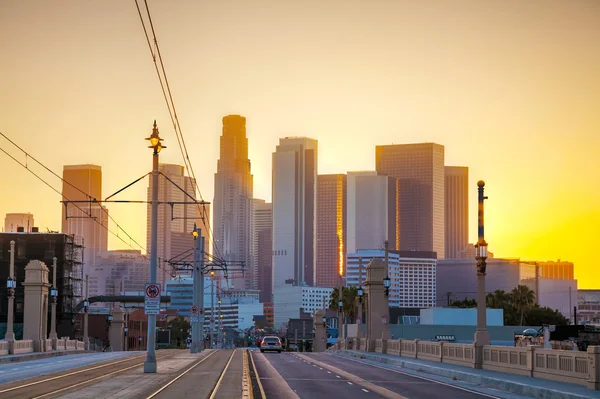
270 344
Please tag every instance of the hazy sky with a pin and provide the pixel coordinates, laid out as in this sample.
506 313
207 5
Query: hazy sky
510 88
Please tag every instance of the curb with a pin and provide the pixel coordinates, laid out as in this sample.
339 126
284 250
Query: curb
39 355
485 381
246 382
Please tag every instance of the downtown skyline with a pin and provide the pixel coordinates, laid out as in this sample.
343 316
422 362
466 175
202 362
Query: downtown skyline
524 123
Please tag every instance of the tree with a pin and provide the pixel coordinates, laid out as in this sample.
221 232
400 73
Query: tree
349 301
464 304
540 315
180 329
523 298
498 299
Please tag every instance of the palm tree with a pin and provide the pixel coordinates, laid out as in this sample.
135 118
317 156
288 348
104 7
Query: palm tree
523 298
349 301
498 299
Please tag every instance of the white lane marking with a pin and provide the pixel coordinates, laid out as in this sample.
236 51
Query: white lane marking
338 376
349 383
329 372
364 390
320 368
422 378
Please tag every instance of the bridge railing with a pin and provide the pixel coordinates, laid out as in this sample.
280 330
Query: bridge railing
23 346
4 346
428 350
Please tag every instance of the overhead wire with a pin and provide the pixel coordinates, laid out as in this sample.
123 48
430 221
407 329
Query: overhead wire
168 97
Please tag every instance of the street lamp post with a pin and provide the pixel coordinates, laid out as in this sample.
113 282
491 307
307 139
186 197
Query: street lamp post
212 306
482 336
11 285
86 339
156 145
54 297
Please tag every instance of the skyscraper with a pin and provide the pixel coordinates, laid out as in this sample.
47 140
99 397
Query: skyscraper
372 211
294 197
419 169
232 205
262 248
456 201
331 229
87 220
175 222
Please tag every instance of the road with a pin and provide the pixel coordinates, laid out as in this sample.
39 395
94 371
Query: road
321 375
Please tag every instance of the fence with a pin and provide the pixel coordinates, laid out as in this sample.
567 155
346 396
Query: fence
23 346
573 367
4 345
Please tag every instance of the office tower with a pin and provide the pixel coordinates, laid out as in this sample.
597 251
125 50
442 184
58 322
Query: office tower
331 229
175 222
419 169
412 275
203 222
233 201
294 197
372 211
456 201
88 220
13 221
262 248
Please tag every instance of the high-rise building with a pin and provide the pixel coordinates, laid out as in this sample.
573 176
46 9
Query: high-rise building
412 275
203 222
331 229
262 248
13 221
557 270
456 201
175 222
419 169
372 211
294 197
86 220
232 205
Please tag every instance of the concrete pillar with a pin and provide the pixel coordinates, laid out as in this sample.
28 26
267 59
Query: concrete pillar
377 304
115 331
593 353
320 343
10 335
35 317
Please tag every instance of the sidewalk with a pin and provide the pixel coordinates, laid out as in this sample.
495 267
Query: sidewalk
23 357
520 385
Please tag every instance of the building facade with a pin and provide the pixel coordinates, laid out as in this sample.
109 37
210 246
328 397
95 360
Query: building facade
291 301
175 223
69 274
557 270
14 222
294 198
262 248
372 211
412 274
331 229
456 202
233 201
87 220
419 169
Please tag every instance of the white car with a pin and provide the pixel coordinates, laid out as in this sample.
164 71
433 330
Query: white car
270 344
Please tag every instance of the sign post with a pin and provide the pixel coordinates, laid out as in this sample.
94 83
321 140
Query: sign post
194 314
152 299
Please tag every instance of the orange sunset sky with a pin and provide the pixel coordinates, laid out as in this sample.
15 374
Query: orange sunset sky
510 88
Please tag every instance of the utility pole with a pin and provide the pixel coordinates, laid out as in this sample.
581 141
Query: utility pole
197 282
448 294
86 339
212 307
201 293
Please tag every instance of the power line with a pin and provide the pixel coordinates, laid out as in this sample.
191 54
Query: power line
173 114
60 193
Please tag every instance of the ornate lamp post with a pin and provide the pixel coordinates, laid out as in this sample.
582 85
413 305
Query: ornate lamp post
156 145
11 285
386 283
54 299
324 321
482 337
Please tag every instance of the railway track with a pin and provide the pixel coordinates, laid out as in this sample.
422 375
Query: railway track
53 385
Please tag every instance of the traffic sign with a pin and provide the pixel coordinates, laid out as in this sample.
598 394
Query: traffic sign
194 310
152 299
194 319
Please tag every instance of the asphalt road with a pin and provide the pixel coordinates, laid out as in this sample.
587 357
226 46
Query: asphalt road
320 375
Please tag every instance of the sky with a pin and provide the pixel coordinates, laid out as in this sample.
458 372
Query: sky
510 88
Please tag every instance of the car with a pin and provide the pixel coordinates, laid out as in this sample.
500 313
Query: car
270 344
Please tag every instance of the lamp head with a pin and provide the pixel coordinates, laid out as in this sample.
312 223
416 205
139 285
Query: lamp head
360 291
386 282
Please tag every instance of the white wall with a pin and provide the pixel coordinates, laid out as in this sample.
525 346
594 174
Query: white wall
459 317
287 301
555 295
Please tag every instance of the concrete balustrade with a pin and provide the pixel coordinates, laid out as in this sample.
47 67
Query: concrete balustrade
363 344
4 346
70 345
459 354
428 350
79 345
575 367
49 345
23 346
350 343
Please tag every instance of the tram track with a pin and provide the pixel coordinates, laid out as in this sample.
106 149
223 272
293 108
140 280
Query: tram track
47 386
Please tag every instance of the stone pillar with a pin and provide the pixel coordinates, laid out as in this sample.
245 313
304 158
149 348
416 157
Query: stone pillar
377 304
115 331
359 313
593 353
320 343
10 335
54 300
35 317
